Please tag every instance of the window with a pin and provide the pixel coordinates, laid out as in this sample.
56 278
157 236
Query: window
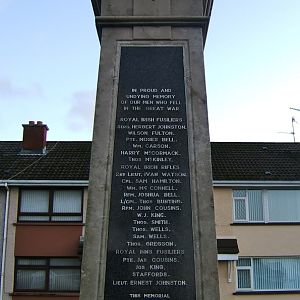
268 274
59 205
266 206
244 274
47 274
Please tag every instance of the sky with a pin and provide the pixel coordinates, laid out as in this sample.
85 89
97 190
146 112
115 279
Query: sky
49 59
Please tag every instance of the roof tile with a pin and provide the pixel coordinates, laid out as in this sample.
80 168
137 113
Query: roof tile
231 161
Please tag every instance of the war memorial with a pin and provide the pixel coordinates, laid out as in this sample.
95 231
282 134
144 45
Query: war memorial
150 230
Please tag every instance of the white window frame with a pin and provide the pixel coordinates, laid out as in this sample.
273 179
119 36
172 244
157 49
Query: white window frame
247 220
265 204
251 276
234 209
252 289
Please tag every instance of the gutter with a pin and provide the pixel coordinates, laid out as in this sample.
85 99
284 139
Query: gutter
216 183
256 183
4 241
44 183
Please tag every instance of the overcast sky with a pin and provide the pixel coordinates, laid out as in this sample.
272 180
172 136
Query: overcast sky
49 55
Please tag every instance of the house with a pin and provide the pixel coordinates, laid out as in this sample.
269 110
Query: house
257 202
47 186
257 210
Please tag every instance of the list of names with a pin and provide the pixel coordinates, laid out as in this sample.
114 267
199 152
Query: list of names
150 246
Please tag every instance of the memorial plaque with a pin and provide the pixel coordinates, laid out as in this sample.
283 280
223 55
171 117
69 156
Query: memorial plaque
150 240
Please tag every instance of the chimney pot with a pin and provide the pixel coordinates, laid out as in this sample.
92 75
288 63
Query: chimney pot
34 137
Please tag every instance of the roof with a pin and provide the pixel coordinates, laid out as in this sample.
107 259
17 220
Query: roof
231 161
256 161
227 246
62 161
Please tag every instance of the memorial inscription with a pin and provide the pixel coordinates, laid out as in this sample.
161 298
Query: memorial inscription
150 241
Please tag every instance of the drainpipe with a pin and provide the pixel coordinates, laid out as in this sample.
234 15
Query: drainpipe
4 242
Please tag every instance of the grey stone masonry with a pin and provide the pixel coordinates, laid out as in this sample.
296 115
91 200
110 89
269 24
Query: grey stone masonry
150 229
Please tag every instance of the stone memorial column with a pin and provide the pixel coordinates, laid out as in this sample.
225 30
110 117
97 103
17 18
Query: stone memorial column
150 230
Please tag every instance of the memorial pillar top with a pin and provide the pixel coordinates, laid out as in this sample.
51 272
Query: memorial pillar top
175 13
152 7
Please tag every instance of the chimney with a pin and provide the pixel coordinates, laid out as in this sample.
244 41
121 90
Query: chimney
34 138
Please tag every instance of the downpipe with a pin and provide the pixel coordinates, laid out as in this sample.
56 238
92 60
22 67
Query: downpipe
4 241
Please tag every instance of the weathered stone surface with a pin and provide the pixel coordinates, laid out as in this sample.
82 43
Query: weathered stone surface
140 64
